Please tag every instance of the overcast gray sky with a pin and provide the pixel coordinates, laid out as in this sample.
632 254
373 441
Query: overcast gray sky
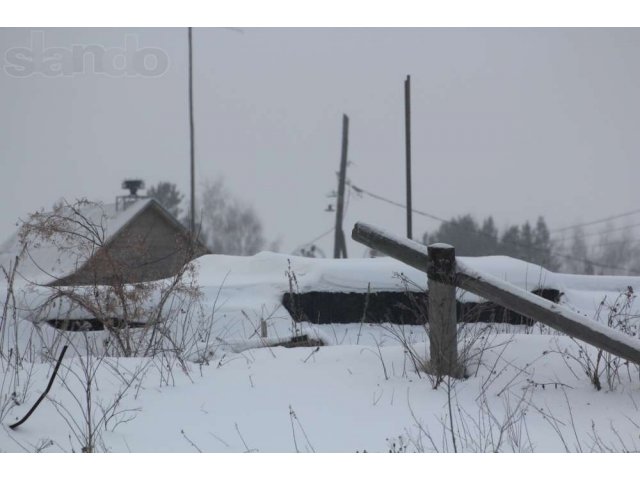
510 122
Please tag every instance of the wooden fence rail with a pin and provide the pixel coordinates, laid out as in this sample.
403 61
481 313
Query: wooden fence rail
493 289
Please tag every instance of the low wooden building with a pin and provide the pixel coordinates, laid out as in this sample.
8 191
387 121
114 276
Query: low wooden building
92 243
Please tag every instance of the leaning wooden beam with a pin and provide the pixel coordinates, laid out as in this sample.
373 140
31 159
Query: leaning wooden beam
551 314
407 251
507 295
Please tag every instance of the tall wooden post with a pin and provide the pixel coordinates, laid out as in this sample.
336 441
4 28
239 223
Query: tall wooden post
441 274
407 138
192 212
340 244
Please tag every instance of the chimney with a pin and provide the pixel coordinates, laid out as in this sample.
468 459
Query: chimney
124 201
133 186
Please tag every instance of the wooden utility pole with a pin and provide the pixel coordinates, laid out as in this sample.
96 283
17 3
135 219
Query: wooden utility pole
192 213
407 138
339 243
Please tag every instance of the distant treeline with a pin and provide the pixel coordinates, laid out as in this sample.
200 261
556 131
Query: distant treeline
610 251
472 239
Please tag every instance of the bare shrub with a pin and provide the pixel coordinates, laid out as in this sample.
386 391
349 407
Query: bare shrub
16 372
140 318
473 338
104 320
294 292
481 427
484 426
82 403
601 367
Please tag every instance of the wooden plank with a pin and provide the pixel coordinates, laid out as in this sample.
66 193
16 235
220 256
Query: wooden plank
507 295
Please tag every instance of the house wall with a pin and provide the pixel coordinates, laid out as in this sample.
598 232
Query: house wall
149 248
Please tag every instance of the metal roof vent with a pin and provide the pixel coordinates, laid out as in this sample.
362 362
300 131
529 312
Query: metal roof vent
133 186
124 201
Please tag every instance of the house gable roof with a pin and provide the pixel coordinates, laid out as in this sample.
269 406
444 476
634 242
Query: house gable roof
47 262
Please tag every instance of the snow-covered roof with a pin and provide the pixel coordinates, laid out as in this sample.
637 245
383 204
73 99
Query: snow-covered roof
45 261
264 275
236 284
356 274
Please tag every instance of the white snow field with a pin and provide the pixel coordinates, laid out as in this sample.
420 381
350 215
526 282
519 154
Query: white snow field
527 388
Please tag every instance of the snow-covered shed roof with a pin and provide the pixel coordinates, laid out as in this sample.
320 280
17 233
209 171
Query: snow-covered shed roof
263 275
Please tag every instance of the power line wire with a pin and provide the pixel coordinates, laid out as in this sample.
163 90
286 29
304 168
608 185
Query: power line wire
597 264
514 244
595 222
629 241
617 229
319 237
397 204
620 241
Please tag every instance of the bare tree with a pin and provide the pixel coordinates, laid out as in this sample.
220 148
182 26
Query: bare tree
579 258
228 225
617 253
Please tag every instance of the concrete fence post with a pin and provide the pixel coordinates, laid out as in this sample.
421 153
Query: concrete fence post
441 311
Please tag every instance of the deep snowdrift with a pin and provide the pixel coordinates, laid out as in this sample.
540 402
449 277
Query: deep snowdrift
527 389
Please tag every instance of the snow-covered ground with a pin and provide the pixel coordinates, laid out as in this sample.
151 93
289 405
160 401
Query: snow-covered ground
526 387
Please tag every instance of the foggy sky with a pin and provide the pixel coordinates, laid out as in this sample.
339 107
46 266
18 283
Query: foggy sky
514 123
